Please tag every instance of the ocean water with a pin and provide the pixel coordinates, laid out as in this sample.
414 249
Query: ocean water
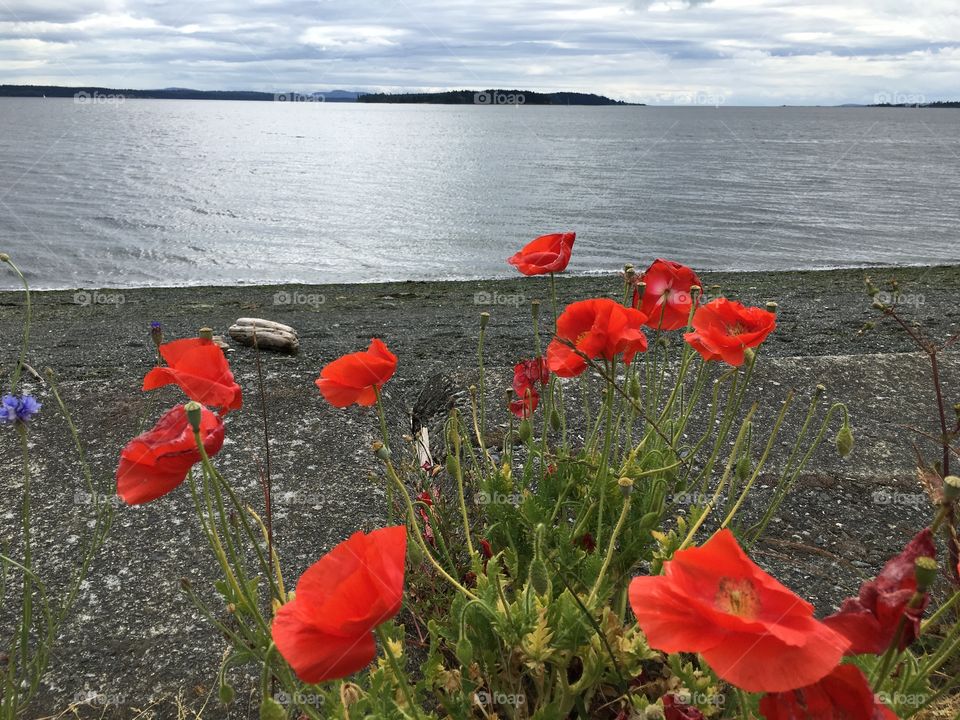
164 192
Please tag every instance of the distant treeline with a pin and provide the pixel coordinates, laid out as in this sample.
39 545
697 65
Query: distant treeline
95 94
937 104
491 97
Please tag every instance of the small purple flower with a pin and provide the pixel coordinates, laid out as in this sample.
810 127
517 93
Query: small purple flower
13 408
156 333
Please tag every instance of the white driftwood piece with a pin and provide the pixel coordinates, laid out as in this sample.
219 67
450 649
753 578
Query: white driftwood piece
267 335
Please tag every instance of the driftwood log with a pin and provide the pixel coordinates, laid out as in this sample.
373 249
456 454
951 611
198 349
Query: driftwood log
265 334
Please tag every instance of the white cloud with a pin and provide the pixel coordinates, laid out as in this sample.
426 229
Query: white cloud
745 51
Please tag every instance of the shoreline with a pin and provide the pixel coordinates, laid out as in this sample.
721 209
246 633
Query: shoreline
507 276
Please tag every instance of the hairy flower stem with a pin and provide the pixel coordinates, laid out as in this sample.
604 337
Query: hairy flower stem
763 459
421 543
607 441
399 675
458 475
610 550
27 618
481 380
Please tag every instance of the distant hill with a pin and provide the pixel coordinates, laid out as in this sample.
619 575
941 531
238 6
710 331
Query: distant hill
491 97
937 104
95 94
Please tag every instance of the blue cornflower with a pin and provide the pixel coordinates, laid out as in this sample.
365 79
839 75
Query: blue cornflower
13 408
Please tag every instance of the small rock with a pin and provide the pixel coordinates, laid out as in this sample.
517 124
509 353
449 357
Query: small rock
265 334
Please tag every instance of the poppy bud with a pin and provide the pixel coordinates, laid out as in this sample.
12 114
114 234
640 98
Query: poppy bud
350 694
270 709
4 257
951 488
638 292
539 578
194 414
453 466
635 388
185 584
743 468
226 694
525 431
821 389
205 333
464 650
748 355
626 486
231 608
926 572
484 319
535 308
381 451
555 421
844 440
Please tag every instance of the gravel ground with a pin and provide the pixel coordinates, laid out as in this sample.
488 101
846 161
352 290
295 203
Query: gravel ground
136 641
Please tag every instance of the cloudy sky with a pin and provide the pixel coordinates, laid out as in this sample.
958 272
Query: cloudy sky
738 52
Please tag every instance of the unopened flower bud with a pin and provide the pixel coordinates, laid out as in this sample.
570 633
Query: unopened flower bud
4 257
484 319
453 466
231 608
951 488
626 486
205 333
821 389
464 650
641 289
185 584
844 440
539 577
926 572
194 414
350 694
748 355
525 431
635 388
381 451
226 694
270 709
556 422
535 308
743 468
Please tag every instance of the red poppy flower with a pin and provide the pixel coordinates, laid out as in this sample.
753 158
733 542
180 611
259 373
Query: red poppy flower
356 378
870 620
528 375
844 693
754 632
546 254
199 367
326 631
723 329
599 328
666 299
673 709
154 463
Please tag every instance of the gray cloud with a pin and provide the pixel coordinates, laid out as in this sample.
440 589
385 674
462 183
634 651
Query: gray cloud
709 51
